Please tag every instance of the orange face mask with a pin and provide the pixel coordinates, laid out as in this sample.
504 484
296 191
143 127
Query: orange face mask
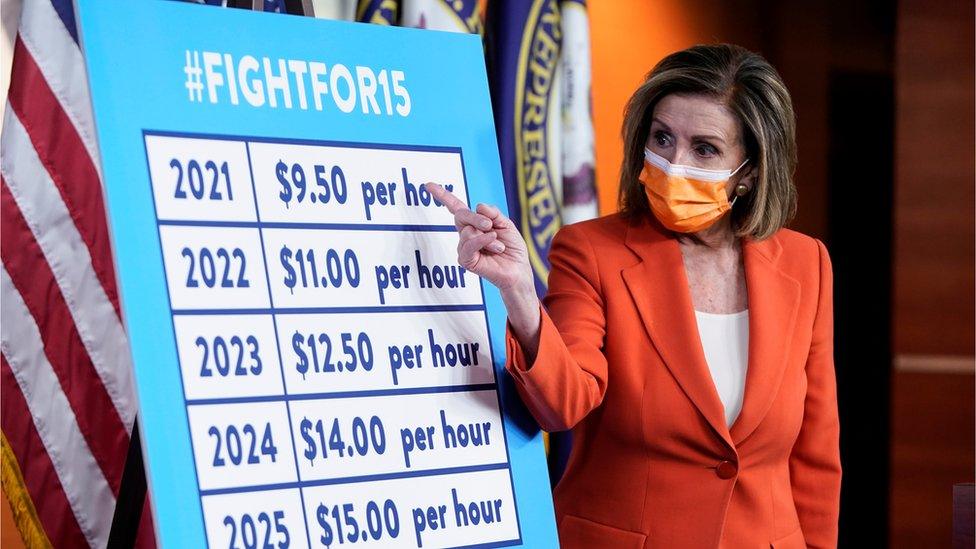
685 199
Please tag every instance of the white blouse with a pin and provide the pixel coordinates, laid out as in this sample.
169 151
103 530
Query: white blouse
725 340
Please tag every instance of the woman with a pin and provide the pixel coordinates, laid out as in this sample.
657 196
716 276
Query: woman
686 340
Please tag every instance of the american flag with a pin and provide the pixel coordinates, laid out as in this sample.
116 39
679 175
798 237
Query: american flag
68 404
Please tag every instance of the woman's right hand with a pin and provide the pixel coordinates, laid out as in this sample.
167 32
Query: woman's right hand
491 247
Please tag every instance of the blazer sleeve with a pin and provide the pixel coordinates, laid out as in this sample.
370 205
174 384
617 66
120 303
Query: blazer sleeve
815 470
569 376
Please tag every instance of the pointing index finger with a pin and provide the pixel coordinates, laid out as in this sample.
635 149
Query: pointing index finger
445 197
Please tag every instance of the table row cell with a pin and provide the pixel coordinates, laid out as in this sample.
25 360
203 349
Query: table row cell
271 518
237 356
309 183
344 440
397 434
390 351
457 510
200 179
238 445
228 356
214 268
220 268
210 179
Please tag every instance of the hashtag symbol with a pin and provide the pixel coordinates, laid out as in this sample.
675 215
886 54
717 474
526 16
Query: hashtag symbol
194 78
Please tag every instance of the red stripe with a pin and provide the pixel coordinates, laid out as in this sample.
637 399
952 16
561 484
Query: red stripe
66 159
146 537
97 417
40 478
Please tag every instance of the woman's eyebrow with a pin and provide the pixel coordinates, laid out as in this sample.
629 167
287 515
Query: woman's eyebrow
658 120
708 137
703 137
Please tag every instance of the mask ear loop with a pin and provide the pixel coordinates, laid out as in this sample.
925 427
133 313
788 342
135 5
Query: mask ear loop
744 162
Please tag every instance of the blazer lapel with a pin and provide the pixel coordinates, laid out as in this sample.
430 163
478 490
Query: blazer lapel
774 299
659 287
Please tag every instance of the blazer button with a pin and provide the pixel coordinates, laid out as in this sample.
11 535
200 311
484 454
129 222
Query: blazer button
726 470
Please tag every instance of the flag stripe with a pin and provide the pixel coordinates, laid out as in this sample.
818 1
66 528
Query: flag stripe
68 397
64 156
84 485
32 277
67 15
42 208
40 480
59 59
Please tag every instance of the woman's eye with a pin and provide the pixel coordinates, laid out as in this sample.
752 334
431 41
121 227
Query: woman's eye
662 139
706 150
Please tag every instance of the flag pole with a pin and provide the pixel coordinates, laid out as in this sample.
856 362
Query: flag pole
132 496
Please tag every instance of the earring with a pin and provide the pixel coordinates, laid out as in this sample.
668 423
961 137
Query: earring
741 190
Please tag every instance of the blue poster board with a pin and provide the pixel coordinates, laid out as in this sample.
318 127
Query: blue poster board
313 367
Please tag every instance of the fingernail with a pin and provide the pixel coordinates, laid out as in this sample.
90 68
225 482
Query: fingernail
485 224
496 247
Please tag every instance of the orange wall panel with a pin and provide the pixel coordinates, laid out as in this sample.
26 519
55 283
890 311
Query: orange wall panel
628 37
9 536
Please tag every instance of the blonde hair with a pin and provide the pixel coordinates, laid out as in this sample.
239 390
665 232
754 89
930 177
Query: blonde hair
752 89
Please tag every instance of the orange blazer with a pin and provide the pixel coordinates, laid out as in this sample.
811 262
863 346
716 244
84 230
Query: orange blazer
620 362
